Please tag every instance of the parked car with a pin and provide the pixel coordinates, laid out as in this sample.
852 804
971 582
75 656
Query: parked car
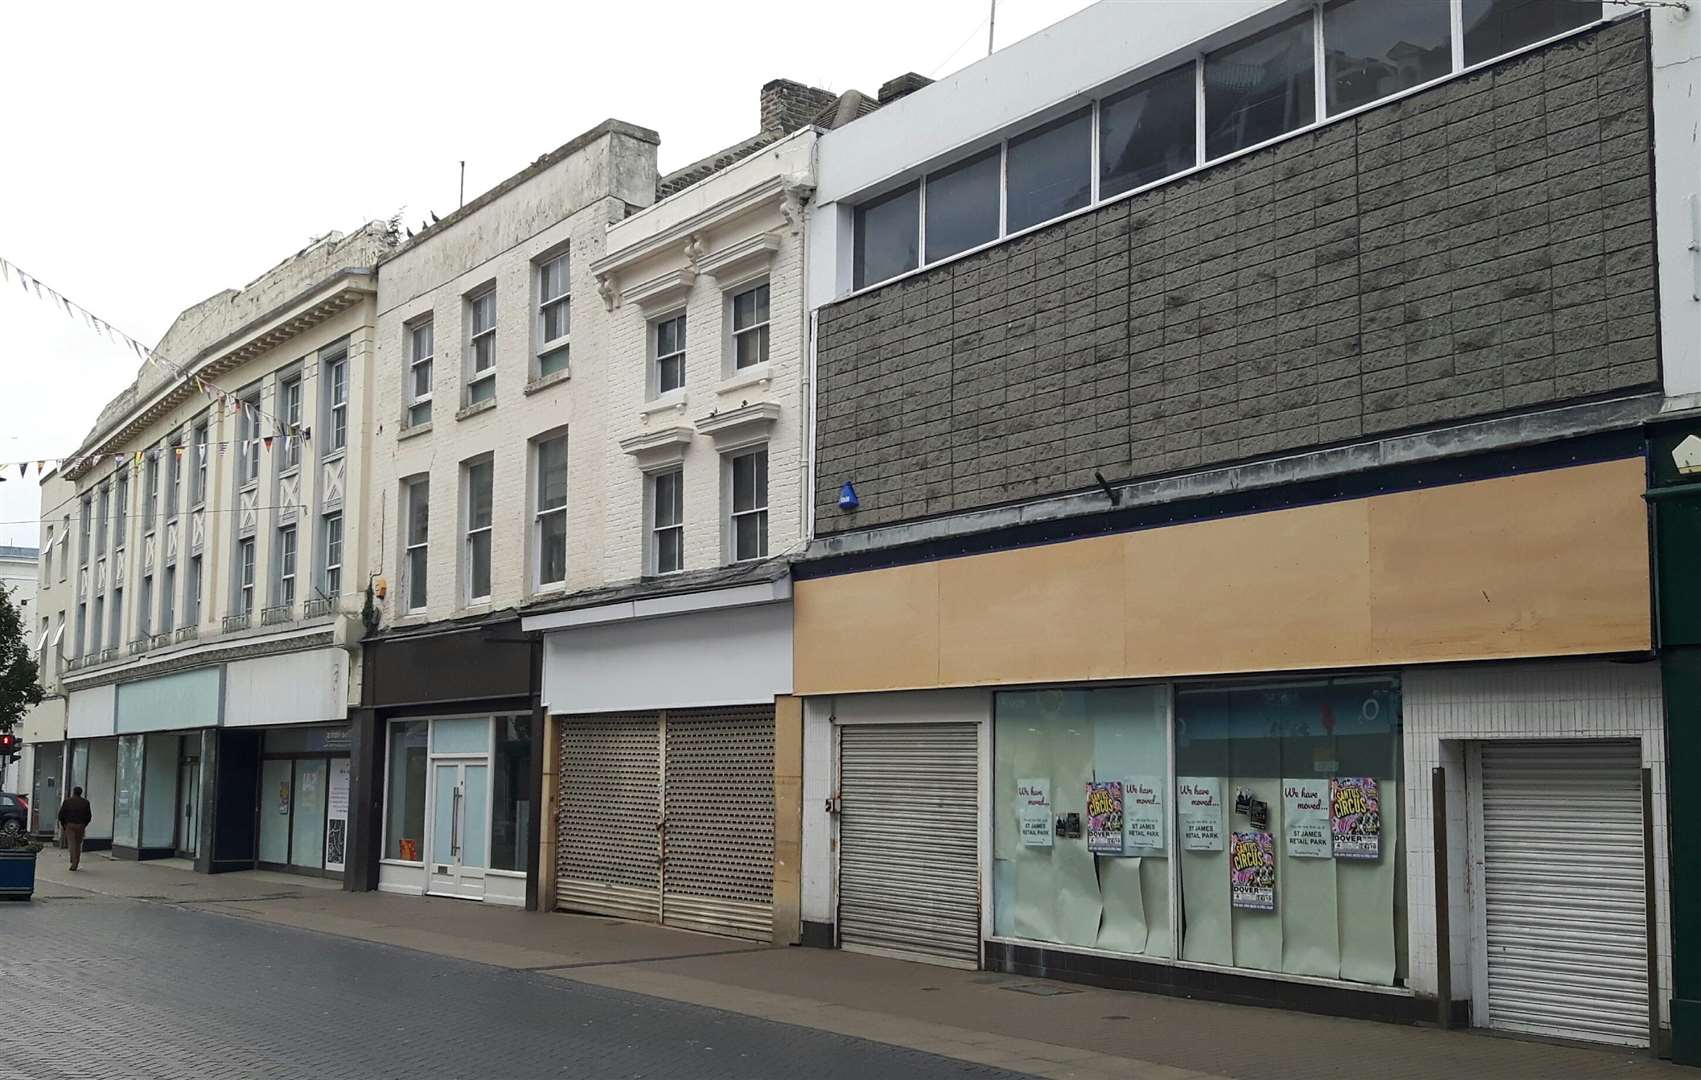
14 813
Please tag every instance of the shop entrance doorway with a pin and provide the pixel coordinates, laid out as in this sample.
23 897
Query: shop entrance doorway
460 822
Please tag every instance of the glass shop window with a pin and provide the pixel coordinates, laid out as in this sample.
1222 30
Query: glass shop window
404 799
1081 837
511 803
1260 88
1288 798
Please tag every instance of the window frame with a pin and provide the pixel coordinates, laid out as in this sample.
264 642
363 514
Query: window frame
246 552
174 477
413 401
289 398
199 435
104 506
334 389
288 564
547 348
470 534
733 514
168 598
473 376
331 555
192 592
541 512
414 489
653 525
1195 57
760 330
85 529
682 351
120 503
248 444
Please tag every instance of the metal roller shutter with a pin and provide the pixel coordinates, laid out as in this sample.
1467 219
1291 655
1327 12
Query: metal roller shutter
909 841
1564 891
719 827
608 786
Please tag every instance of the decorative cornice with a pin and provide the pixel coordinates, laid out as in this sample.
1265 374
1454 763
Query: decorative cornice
218 652
663 289
768 191
740 256
742 426
659 448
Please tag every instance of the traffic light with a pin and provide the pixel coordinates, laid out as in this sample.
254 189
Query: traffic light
9 747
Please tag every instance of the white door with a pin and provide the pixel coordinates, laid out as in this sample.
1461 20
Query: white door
1560 866
909 841
460 828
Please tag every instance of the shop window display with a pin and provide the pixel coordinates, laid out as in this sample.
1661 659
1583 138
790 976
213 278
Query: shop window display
1081 837
1289 803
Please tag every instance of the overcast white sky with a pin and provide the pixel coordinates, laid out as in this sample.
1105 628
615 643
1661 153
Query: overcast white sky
152 155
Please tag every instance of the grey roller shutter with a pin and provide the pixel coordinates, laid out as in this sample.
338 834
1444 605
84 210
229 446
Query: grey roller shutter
608 786
718 856
1565 899
909 841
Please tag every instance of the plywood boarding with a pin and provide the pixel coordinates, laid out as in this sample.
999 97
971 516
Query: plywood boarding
1545 564
1019 615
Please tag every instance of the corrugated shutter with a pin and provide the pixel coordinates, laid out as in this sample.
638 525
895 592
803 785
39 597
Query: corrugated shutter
1564 891
909 841
608 788
719 835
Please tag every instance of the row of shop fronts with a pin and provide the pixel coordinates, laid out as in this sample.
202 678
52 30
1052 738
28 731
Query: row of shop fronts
1364 756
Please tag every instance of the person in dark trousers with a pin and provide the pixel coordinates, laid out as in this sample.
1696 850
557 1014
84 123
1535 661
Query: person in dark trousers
74 817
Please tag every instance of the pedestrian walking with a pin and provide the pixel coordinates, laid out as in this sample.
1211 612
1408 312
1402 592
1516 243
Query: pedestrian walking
74 817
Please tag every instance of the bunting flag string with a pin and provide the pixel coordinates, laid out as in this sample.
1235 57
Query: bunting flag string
136 458
223 399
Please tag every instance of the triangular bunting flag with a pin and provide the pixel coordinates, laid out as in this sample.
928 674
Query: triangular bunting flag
178 450
268 441
23 469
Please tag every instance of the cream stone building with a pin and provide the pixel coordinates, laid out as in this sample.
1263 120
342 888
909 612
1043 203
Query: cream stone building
210 642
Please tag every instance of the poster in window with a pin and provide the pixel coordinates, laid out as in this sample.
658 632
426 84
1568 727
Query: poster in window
336 815
1252 871
1143 811
1305 814
1104 817
1355 817
1033 811
1201 812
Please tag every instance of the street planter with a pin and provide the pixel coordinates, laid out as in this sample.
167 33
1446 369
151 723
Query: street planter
17 869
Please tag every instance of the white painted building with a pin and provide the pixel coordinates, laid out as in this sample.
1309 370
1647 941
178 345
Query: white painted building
211 597
18 573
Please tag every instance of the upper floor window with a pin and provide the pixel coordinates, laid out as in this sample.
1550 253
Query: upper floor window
554 315
1372 48
418 390
287 540
64 546
549 530
168 599
481 347
479 517
1260 88
1049 171
1147 132
85 523
335 391
416 537
331 543
145 607
1494 27
47 557
101 521
248 467
748 522
750 327
887 236
289 409
150 489
245 576
667 522
198 489
174 474
192 594
668 345
962 205
121 526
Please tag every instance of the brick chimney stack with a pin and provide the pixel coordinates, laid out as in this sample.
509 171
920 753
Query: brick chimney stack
787 106
905 84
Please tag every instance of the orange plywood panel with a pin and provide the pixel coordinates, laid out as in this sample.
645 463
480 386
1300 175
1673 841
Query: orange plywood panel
1275 591
1032 614
877 630
1545 564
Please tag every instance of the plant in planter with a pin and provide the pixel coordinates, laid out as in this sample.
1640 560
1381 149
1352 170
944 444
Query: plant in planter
17 866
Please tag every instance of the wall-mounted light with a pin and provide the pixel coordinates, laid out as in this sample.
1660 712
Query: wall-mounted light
1686 455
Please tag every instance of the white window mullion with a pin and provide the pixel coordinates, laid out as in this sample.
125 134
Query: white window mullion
1456 15
1199 110
1320 83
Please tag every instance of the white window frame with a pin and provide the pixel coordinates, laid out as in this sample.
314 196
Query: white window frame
145 608
652 495
47 558
192 592
469 532
198 437
733 513
174 477
334 373
331 569
289 556
657 356
413 401
290 390
472 373
104 506
168 598
541 512
758 331
84 530
245 555
120 502
548 346
65 547
412 489
248 466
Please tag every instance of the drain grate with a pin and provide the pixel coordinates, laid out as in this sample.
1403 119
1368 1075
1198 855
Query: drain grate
1041 989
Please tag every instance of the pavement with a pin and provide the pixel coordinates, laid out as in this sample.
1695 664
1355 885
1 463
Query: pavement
626 999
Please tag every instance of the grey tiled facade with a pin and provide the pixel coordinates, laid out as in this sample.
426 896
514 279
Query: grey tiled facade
1483 247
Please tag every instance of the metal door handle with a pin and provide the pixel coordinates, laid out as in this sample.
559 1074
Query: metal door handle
455 823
